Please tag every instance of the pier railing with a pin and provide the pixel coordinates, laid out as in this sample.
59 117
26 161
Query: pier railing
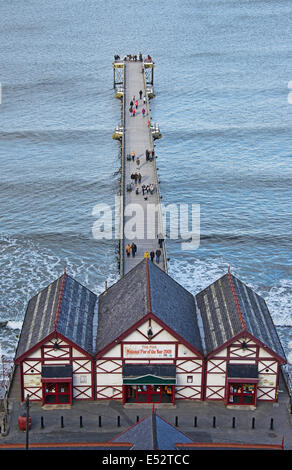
122 191
163 249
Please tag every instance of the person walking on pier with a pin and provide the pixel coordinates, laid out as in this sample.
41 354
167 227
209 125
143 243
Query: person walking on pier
134 112
139 177
143 112
140 93
152 254
160 240
128 250
146 255
134 249
158 254
136 104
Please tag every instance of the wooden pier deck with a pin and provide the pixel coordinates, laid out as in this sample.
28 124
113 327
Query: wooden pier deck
141 215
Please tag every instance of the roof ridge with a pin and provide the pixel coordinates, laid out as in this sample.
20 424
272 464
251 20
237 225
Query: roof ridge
154 430
59 300
236 299
148 287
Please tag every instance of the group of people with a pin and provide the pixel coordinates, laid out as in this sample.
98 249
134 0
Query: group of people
131 248
152 254
137 177
147 255
134 103
134 57
148 189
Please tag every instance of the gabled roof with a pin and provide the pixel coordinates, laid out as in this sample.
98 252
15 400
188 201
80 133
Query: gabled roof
146 289
65 307
229 307
153 433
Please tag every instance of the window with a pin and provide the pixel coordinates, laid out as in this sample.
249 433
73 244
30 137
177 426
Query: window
242 393
56 393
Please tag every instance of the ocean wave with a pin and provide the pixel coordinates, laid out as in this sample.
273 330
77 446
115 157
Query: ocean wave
195 275
53 186
264 238
60 134
187 133
14 325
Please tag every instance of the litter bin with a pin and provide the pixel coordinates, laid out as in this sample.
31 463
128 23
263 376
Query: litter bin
22 422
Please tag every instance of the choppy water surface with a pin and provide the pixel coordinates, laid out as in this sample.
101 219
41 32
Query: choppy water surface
222 69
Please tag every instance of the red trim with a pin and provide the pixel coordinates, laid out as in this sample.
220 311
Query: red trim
218 445
57 393
56 380
148 287
236 300
67 444
136 325
59 301
35 347
250 336
195 396
242 381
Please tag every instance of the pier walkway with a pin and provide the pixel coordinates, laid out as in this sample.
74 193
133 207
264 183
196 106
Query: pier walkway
141 215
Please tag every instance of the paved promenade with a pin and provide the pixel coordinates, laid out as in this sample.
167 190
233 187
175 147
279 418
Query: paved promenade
185 411
145 221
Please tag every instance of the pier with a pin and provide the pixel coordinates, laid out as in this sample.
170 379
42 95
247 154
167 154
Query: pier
141 219
212 363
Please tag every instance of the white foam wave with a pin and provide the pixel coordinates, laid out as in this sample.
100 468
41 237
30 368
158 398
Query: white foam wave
289 358
198 274
14 325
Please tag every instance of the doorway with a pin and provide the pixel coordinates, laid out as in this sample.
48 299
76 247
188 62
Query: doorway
242 393
149 393
57 393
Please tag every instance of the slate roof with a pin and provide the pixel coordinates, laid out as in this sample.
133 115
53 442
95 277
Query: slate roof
228 307
153 433
65 306
143 290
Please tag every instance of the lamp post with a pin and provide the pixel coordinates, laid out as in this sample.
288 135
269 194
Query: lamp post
27 421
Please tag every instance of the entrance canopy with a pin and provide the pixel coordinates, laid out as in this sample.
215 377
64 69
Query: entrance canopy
55 373
149 374
242 373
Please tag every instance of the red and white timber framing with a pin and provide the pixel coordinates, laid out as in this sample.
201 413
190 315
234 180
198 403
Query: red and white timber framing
196 378
135 347
233 352
44 353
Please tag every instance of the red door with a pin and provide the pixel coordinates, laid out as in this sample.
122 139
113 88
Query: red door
148 394
57 393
